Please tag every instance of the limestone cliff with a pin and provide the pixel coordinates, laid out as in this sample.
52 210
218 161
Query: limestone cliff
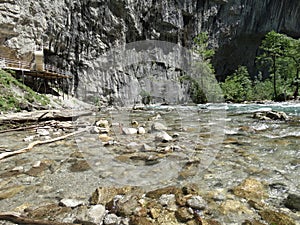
76 33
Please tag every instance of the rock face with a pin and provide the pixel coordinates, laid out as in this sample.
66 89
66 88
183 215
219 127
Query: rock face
76 33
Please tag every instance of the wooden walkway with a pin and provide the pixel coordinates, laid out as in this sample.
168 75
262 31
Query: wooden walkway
49 72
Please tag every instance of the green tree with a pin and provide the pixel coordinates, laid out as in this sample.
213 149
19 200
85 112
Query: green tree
274 49
293 53
281 55
238 86
202 49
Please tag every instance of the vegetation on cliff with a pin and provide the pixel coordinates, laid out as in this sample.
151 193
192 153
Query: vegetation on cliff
15 96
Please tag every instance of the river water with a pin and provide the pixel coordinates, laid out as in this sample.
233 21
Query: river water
216 146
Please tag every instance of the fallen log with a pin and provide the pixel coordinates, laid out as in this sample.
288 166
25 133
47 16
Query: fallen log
35 143
19 219
42 115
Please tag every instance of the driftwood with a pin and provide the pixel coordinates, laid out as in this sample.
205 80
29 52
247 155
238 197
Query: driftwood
19 129
35 143
42 115
19 219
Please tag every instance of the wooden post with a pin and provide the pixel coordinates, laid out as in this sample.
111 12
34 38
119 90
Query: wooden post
62 84
23 76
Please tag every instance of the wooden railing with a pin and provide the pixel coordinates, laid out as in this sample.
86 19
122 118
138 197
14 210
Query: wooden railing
54 69
6 63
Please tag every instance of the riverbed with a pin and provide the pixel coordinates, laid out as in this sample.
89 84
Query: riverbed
215 146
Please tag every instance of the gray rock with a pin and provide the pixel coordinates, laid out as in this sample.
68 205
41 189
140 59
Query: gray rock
146 148
156 126
197 202
168 201
72 203
163 137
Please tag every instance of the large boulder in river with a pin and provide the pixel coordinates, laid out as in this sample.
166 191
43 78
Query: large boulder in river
271 115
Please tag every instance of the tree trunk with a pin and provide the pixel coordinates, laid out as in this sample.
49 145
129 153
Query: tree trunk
297 85
274 79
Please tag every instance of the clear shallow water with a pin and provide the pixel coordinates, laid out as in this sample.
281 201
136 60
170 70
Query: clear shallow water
215 146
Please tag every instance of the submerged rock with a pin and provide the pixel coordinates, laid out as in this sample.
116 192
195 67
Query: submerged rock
156 126
293 202
155 194
10 192
233 206
80 166
105 138
273 217
103 195
251 189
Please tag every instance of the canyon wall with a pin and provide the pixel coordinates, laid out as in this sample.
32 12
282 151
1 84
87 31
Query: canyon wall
75 35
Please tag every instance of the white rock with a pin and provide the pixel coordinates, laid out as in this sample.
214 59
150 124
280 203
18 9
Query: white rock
37 164
29 138
43 132
72 203
99 130
163 137
18 168
156 126
141 130
96 214
129 130
111 219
